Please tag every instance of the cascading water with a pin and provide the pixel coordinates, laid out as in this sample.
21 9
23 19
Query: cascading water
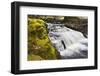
69 43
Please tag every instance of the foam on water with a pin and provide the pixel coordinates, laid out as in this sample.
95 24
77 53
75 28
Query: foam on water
68 42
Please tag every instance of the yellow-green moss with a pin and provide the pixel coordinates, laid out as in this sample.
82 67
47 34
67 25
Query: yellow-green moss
34 57
38 41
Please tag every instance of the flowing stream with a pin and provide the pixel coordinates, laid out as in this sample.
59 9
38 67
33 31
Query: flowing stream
69 43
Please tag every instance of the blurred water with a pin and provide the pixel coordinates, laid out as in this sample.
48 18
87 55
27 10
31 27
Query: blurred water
69 43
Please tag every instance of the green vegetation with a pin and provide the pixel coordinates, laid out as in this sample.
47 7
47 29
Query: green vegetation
34 57
39 45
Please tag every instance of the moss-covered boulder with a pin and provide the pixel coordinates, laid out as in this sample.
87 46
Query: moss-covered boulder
34 57
39 45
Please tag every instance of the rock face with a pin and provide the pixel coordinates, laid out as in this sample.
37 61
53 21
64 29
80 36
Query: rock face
77 23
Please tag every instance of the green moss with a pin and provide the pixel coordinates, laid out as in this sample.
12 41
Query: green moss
38 40
34 57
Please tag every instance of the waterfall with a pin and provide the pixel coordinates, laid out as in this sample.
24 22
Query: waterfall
68 42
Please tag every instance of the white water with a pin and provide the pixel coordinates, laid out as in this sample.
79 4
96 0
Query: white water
68 42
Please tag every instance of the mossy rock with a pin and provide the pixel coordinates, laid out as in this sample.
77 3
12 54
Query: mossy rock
38 41
34 57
